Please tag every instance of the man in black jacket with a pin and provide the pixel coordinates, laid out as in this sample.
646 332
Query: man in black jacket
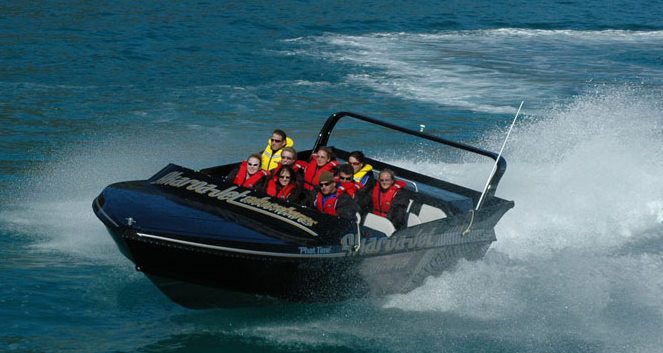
329 201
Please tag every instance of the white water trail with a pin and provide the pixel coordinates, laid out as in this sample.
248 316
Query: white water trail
581 254
52 206
486 70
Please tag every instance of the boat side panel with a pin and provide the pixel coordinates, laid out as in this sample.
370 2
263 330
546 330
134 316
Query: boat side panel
300 279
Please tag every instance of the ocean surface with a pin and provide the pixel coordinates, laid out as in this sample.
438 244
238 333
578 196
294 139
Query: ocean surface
95 92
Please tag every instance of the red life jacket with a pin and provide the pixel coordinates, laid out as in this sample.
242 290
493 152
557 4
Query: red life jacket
240 178
296 167
312 172
281 194
349 187
329 206
382 200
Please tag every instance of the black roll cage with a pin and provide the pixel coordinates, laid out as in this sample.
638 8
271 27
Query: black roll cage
325 132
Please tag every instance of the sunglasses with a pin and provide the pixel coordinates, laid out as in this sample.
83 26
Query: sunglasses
344 178
325 183
355 163
253 164
284 177
277 141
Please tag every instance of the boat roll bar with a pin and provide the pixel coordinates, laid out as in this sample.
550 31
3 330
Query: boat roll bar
329 125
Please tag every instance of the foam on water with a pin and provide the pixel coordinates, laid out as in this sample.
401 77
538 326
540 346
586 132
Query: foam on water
582 251
52 206
483 70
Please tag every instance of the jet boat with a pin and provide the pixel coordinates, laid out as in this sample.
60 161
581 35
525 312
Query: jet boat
206 242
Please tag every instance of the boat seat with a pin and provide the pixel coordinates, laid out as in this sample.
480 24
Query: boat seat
412 220
429 213
410 185
378 223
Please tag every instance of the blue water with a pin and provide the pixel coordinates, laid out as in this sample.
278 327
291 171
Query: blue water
98 92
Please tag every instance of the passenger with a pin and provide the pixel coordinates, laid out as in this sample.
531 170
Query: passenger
289 158
284 186
272 153
346 183
329 201
363 172
387 199
323 160
249 174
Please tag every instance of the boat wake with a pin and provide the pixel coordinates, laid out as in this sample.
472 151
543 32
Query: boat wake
50 209
582 252
483 70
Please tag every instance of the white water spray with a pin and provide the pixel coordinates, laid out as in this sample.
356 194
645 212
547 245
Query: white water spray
582 251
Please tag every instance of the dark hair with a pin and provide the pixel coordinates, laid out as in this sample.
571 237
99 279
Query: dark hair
291 172
346 169
359 156
280 133
329 152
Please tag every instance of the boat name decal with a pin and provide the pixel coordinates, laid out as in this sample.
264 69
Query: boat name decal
315 251
381 245
175 179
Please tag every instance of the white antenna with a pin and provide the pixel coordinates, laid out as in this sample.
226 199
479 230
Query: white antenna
485 188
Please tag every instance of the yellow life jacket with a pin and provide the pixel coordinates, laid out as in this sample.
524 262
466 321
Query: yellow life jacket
271 159
362 172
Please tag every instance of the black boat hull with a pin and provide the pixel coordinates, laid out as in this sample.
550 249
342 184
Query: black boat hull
198 277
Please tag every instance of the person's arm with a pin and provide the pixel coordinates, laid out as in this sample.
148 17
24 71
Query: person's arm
398 212
364 199
346 207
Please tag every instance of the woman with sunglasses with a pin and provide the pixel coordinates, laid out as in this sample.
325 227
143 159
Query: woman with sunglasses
388 199
249 174
363 172
323 160
284 185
